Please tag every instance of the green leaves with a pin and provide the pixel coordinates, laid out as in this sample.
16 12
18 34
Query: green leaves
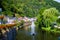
24 7
47 16
28 8
8 12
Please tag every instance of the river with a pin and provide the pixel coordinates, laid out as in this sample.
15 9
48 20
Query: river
33 34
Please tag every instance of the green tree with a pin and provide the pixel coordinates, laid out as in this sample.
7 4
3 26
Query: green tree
46 17
28 8
22 7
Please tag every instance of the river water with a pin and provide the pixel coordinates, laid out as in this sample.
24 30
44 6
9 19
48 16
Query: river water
33 34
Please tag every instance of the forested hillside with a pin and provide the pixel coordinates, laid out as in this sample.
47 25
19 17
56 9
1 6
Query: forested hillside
26 8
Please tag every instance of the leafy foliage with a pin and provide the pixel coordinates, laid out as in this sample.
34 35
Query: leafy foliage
28 8
22 7
46 17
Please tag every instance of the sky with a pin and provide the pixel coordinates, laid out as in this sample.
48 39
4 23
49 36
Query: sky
57 0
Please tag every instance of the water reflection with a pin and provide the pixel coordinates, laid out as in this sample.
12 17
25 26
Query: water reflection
58 38
33 37
38 34
33 28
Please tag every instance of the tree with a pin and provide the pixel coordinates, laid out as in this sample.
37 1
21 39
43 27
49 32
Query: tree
28 8
53 3
22 7
46 17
